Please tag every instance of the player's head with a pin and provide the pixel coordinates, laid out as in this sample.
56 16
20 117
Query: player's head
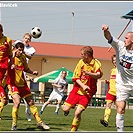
87 53
113 58
64 73
26 39
19 48
1 30
128 40
13 45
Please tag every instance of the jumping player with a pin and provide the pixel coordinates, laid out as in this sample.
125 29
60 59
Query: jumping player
86 73
18 87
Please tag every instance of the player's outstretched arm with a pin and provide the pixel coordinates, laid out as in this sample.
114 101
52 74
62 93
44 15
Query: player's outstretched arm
32 72
56 85
107 33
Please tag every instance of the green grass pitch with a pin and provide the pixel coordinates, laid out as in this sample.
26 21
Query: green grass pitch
61 123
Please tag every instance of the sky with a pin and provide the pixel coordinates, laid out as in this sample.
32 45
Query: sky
65 22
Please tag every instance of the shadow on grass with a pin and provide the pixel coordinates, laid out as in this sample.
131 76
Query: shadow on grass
6 117
128 126
32 129
27 129
115 126
57 124
37 129
10 118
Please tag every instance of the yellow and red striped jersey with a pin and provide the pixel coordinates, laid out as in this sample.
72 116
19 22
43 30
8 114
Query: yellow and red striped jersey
5 51
16 76
94 67
112 82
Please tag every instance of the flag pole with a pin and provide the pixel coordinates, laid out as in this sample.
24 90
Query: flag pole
72 26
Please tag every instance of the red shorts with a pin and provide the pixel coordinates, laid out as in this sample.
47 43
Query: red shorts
81 100
3 93
21 91
110 97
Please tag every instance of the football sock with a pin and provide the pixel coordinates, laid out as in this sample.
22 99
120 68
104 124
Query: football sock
44 106
120 122
14 116
107 114
27 110
57 108
26 105
35 113
1 108
75 124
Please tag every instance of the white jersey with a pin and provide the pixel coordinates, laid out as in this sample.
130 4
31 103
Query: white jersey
62 82
29 50
124 63
58 93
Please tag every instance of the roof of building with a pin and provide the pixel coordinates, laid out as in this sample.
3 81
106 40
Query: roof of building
69 50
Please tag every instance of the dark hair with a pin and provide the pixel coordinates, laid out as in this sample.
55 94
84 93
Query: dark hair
112 57
1 27
64 71
19 45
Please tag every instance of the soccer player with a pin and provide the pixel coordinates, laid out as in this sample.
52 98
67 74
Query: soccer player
86 74
60 85
29 51
5 61
18 87
124 75
111 93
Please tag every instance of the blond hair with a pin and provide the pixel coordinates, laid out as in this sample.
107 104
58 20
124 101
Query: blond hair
27 34
88 50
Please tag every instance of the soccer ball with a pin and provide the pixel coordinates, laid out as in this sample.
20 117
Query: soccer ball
36 32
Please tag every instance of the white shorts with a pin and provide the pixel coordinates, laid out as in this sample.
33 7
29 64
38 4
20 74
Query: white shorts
123 92
55 95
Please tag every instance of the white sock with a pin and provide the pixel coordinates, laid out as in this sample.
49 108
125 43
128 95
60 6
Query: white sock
43 106
27 110
120 122
57 108
26 105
